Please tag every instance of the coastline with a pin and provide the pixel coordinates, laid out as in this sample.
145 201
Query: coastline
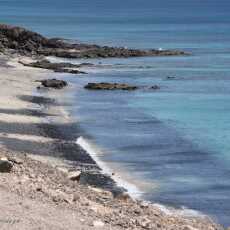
24 133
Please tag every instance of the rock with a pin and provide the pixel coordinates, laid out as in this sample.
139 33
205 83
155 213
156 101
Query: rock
53 83
109 86
123 196
16 160
170 78
60 67
39 189
189 228
145 223
5 165
26 42
72 71
144 204
155 87
74 176
76 197
98 224
103 192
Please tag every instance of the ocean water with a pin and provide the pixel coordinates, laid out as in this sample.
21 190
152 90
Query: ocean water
173 144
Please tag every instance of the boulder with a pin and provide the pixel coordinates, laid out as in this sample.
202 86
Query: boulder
5 165
53 83
74 176
110 86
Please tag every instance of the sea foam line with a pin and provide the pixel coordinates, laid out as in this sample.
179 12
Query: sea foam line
94 152
133 190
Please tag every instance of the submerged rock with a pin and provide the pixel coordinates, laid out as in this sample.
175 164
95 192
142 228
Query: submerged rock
155 87
110 86
72 71
53 83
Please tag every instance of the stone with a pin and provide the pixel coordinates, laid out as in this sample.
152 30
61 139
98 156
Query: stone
16 160
145 223
53 83
109 86
5 165
60 67
155 87
74 176
123 196
144 204
76 197
98 224
72 71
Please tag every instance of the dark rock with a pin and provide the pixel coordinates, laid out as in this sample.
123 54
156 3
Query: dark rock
62 67
155 87
109 86
5 165
53 83
28 43
72 71
16 160
170 78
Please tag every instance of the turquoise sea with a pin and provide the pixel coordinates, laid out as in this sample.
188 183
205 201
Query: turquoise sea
172 144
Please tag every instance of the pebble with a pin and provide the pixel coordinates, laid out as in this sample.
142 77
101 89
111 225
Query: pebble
98 224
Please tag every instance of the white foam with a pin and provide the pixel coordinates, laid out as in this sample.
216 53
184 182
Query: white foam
95 152
183 211
132 189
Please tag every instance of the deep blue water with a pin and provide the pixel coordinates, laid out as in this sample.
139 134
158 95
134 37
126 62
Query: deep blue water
173 142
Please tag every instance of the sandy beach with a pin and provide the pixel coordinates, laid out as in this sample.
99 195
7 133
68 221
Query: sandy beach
38 137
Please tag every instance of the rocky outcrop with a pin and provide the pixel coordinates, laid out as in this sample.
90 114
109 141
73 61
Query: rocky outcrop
53 83
106 52
27 43
109 86
60 67
117 86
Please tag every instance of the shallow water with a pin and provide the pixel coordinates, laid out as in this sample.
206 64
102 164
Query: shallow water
174 142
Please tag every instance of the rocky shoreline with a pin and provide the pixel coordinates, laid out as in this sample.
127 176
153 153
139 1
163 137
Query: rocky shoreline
29 43
45 170
49 173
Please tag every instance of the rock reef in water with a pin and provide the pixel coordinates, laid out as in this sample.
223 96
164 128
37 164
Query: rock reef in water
60 67
30 43
109 86
116 86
